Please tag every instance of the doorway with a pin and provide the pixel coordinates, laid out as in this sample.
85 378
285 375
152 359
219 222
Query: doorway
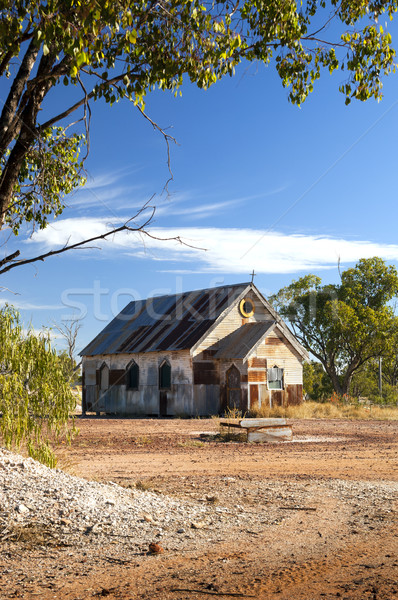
234 393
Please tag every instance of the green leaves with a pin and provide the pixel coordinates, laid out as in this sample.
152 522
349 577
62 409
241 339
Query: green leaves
51 170
35 398
124 49
345 325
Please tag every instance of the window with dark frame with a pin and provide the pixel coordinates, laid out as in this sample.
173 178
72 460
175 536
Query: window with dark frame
133 376
165 376
275 378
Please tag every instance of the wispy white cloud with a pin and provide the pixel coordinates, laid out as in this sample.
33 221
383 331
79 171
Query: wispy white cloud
21 305
204 210
198 208
108 178
227 250
87 197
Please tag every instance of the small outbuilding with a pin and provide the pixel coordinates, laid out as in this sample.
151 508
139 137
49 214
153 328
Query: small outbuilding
193 354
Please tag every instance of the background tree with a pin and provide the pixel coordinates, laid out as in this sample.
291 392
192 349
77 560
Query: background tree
35 398
344 325
365 381
390 364
316 382
69 330
122 49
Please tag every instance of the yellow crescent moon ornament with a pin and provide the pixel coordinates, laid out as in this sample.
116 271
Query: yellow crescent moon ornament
246 308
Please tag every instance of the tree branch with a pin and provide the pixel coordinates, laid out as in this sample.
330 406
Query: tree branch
80 103
9 258
78 245
8 55
168 138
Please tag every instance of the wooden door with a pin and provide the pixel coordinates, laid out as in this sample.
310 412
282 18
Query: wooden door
253 390
163 404
234 394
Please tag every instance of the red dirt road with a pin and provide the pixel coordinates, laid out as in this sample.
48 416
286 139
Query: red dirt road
325 507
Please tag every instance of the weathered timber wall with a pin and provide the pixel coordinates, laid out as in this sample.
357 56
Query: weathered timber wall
195 387
275 350
231 322
119 399
278 352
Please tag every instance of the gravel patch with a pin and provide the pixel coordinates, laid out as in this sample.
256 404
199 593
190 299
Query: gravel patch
73 511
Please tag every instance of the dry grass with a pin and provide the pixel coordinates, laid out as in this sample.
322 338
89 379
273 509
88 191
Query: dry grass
327 410
190 444
144 486
31 534
143 440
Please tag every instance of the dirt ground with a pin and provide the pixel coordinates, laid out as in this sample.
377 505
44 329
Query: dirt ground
326 515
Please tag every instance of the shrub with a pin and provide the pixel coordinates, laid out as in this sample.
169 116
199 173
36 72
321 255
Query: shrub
35 398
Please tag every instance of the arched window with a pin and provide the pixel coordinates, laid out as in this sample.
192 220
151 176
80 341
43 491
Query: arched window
165 376
133 376
104 377
275 378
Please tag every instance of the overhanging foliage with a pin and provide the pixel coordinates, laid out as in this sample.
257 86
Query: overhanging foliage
123 49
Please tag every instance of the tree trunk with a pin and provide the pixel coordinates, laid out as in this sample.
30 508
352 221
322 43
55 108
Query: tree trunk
9 125
26 139
335 379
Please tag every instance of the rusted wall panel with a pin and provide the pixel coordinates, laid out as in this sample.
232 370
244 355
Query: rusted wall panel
145 400
259 376
257 363
277 397
253 394
117 377
294 395
206 372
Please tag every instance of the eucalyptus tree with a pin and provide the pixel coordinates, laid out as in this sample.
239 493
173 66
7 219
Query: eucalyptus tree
344 325
123 49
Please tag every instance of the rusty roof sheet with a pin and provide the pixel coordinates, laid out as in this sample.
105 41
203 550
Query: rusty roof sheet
241 342
164 322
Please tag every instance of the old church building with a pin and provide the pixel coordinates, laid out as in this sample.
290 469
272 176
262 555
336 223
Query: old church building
193 354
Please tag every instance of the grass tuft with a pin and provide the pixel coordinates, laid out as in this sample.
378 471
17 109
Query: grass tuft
190 444
327 410
143 486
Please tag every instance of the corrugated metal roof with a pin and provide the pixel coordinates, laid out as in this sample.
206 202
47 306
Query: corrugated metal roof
164 322
239 343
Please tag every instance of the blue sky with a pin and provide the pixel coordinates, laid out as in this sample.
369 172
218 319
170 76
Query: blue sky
259 183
